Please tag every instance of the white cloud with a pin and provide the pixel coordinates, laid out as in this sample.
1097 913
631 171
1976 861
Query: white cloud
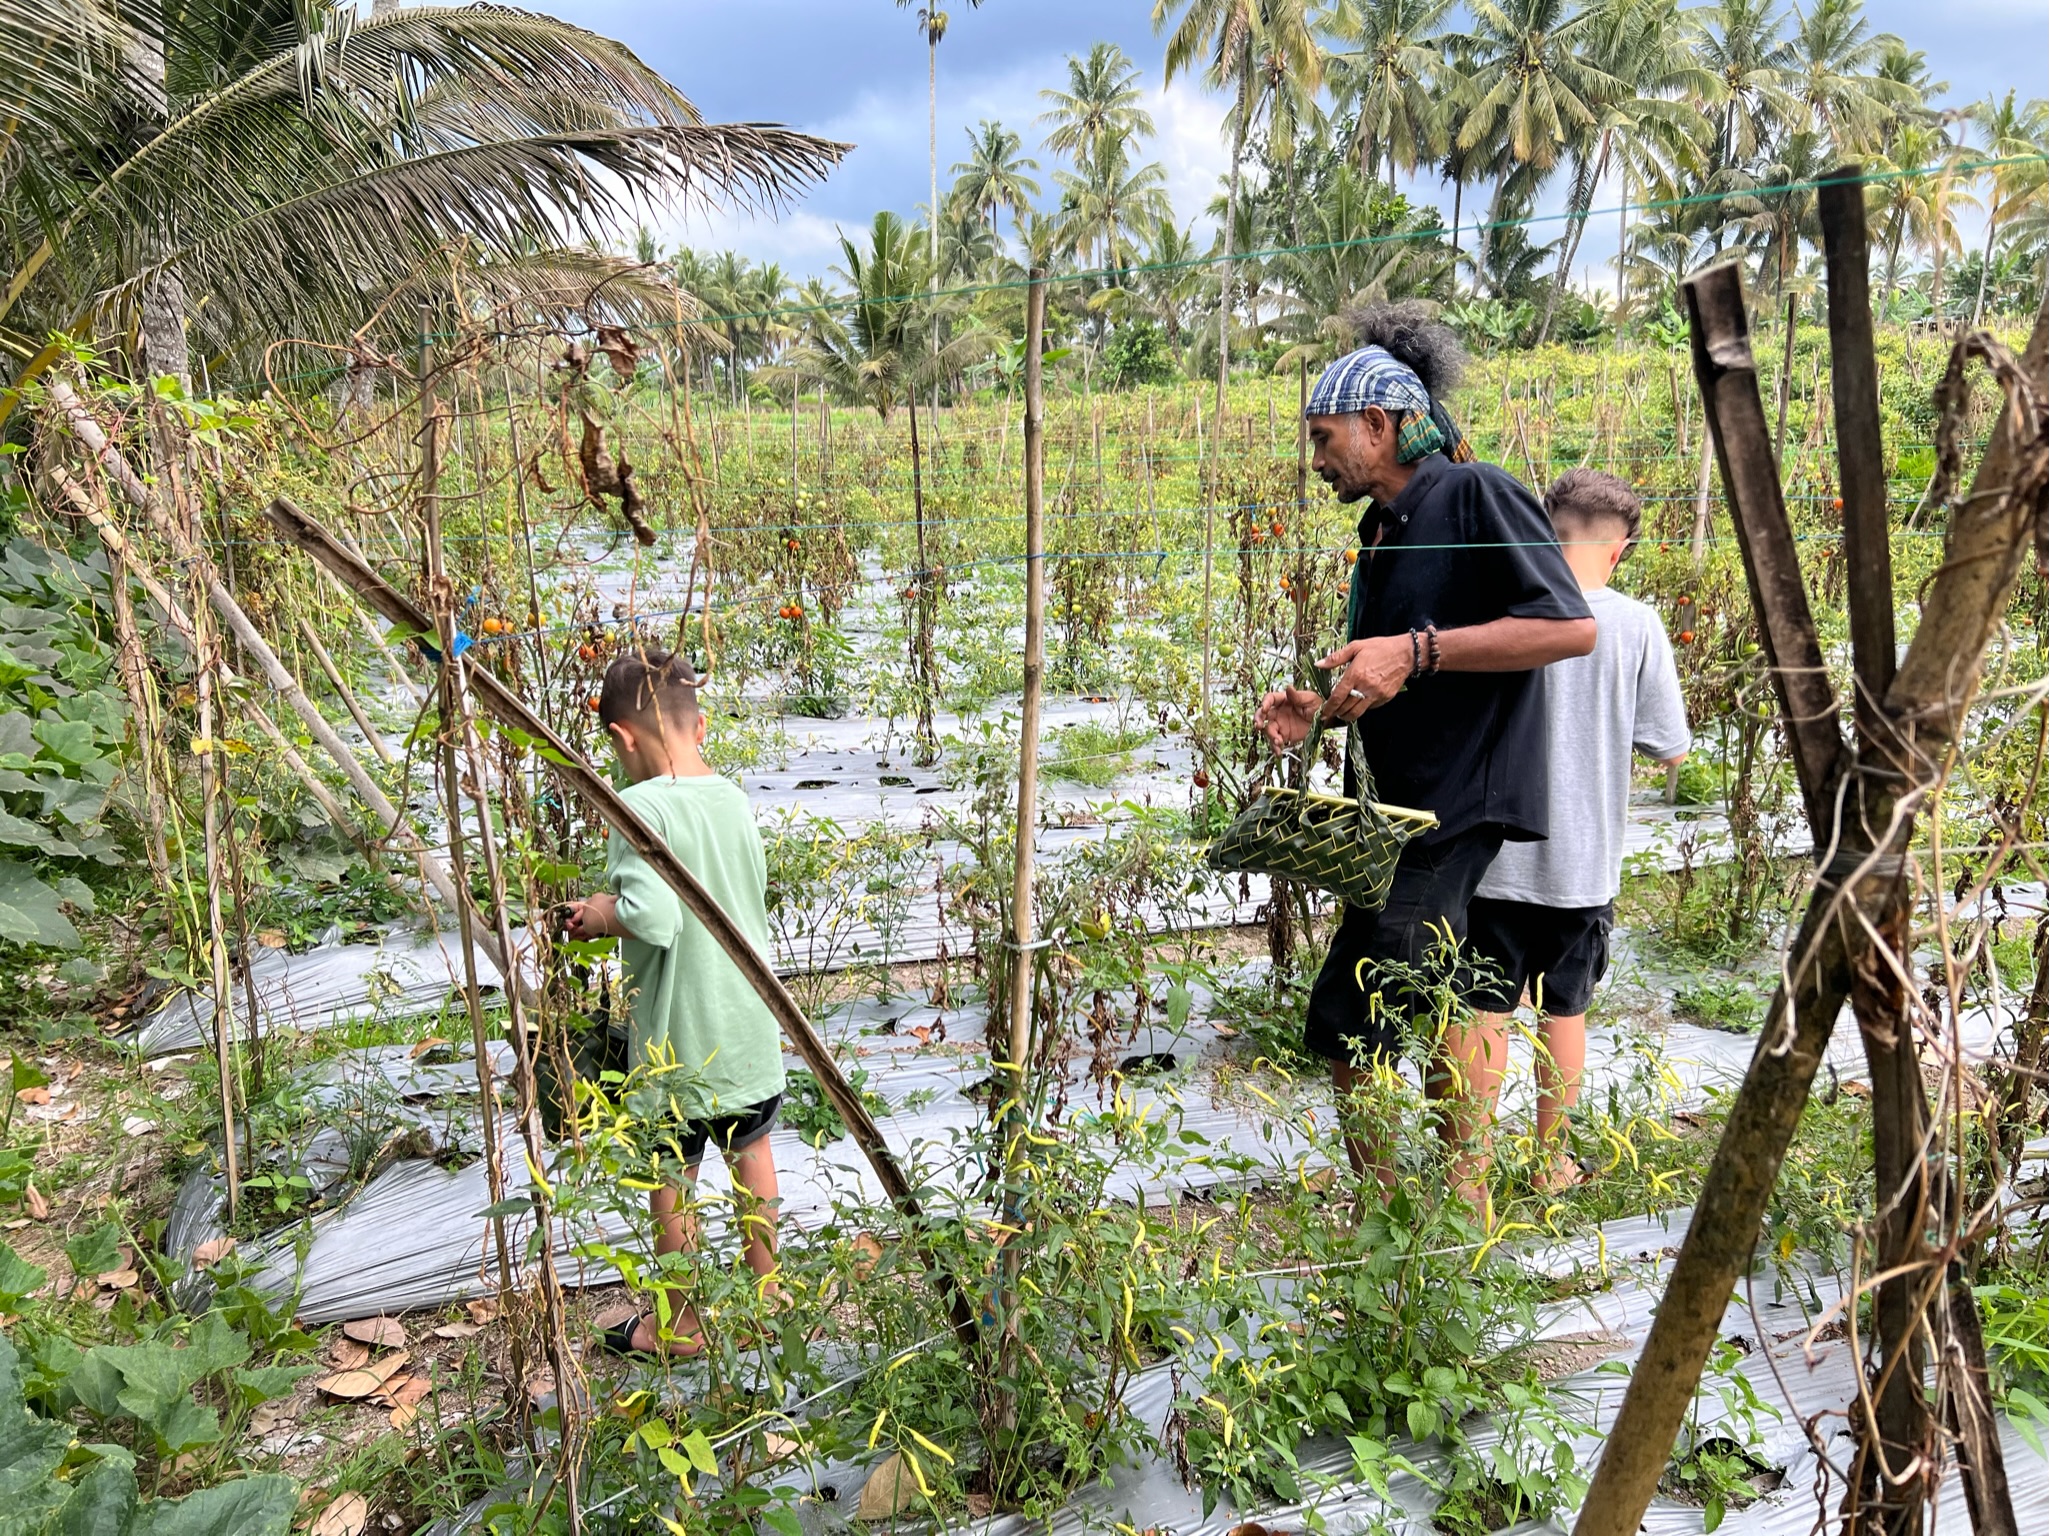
1191 147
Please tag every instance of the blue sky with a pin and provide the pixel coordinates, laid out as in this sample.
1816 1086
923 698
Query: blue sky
855 70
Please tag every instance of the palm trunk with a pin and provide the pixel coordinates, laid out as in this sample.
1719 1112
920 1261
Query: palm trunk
1458 197
1984 269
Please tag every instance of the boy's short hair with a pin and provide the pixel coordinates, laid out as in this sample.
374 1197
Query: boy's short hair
644 686
1580 498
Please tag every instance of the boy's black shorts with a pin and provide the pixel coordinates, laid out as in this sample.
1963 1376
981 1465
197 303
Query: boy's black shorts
729 1133
1559 953
1433 886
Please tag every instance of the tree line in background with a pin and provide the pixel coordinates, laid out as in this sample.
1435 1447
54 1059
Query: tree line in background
1706 125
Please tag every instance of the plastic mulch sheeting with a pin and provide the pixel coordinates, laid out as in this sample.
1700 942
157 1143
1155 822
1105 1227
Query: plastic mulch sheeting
1602 1325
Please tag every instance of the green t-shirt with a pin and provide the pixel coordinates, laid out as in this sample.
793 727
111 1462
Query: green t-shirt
691 1006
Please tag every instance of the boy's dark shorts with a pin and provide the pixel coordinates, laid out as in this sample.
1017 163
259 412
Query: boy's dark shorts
1433 886
1559 953
729 1133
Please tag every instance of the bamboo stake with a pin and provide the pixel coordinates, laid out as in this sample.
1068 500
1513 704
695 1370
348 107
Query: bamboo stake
134 667
389 816
119 549
501 704
341 686
217 943
1022 949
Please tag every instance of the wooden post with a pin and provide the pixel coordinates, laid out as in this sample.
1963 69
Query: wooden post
1022 928
1989 531
1727 372
498 701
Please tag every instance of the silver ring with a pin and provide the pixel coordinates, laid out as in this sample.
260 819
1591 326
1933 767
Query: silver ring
1354 694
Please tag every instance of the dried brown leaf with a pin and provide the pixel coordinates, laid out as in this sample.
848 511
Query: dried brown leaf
408 1390
271 938
37 1205
891 1489
37 1095
351 1385
119 1279
388 1367
212 1251
348 1355
867 1254
377 1332
483 1309
433 1042
346 1515
458 1330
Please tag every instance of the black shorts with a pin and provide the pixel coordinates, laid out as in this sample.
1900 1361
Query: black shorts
1426 902
686 1140
1559 953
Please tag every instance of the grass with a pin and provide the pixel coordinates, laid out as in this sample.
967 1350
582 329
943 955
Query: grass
1093 754
1735 1005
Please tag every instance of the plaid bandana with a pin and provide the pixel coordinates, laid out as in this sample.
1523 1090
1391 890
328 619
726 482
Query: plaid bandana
1375 376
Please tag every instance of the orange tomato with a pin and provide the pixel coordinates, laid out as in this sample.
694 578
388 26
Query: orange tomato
1351 557
492 627
592 701
1686 637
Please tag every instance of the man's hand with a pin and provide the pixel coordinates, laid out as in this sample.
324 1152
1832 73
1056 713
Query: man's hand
595 917
1367 673
1286 715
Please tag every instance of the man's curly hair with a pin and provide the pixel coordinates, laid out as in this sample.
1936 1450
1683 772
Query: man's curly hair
1410 329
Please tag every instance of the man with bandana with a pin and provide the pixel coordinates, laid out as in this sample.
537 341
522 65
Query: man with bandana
1460 596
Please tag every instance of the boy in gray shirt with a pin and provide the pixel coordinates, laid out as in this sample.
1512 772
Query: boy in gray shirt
1543 911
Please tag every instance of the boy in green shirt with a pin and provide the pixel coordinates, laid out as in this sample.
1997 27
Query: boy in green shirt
709 1046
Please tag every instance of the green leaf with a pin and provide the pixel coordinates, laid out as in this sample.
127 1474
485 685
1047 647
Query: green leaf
102 1501
1711 1513
30 912
69 741
783 1520
1179 1001
18 1279
699 1450
517 1205
30 1449
26 1074
268 1382
214 1345
1422 1420
95 1252
19 832
184 1425
250 1506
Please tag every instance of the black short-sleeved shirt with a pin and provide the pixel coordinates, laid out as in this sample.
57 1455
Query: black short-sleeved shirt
1463 544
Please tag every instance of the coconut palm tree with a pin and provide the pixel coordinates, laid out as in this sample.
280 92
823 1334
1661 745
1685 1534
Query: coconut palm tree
1169 277
2015 135
933 23
1102 97
1650 116
299 162
1109 197
1837 68
1224 39
1538 85
1386 68
994 175
1904 202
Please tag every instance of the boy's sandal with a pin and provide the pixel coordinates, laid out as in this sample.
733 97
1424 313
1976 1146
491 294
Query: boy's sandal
619 1338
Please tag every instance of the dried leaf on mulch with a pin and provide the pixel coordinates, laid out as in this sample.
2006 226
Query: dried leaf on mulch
377 1332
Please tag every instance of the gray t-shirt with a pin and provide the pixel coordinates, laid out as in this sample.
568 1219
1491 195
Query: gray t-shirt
1623 695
